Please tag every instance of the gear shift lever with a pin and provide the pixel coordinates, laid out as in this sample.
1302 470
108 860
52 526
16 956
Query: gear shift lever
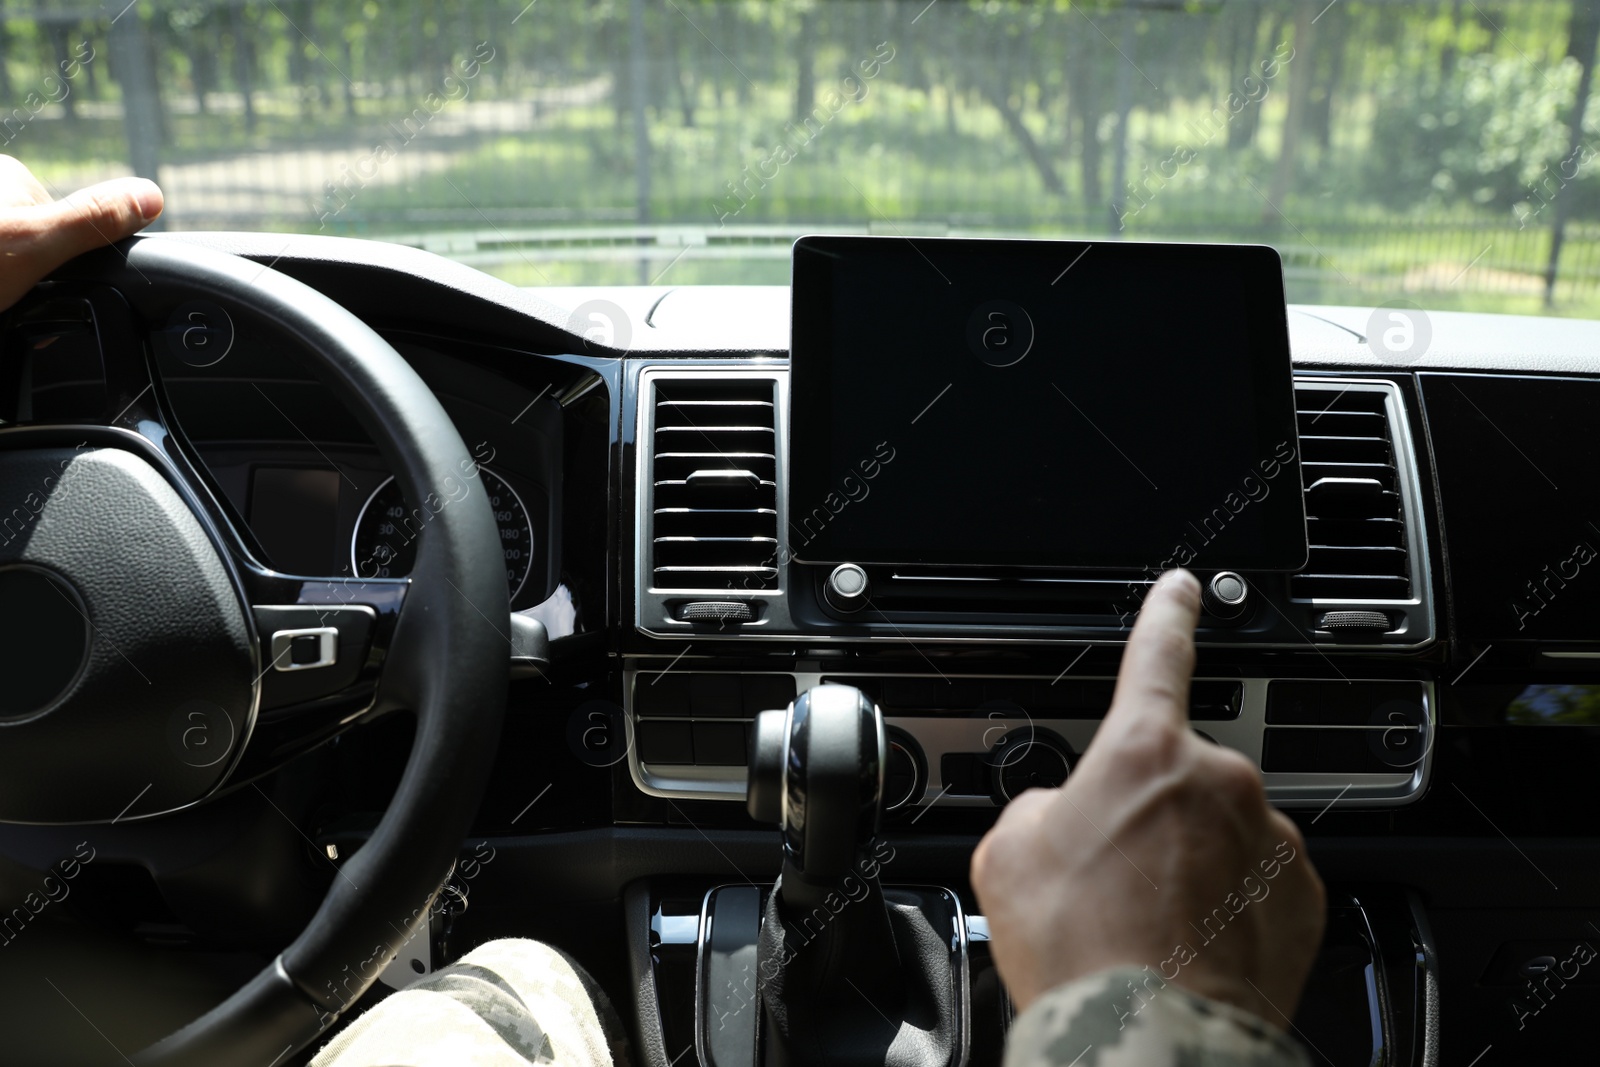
850 975
817 771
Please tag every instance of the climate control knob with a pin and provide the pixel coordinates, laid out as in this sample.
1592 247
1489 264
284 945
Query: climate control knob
905 771
1028 760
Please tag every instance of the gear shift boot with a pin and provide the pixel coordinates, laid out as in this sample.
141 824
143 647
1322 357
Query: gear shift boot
830 1003
840 998
848 973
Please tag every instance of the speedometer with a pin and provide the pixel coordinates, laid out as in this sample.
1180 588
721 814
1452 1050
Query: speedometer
385 541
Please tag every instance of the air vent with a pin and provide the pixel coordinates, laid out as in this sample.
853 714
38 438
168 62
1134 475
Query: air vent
1346 728
1354 511
714 484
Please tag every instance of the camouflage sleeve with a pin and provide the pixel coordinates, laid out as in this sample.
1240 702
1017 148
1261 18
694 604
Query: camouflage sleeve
1131 1018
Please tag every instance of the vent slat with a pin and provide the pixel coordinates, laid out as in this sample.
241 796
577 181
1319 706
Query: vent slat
717 578
726 439
714 551
1351 587
1322 448
678 467
1354 513
714 477
1356 560
714 522
1376 532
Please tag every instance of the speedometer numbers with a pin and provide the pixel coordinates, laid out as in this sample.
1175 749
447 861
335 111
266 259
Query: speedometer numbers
385 541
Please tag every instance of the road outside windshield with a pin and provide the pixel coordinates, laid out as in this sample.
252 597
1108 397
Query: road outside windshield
1440 153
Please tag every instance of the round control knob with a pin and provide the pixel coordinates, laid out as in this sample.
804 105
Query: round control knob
1030 763
905 773
846 588
1225 595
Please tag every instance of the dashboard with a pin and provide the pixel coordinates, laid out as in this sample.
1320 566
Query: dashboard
1422 693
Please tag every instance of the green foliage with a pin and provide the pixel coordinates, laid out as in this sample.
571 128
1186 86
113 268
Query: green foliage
1482 135
1569 705
1424 142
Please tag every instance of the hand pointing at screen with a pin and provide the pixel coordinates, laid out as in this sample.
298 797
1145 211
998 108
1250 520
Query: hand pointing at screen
1159 854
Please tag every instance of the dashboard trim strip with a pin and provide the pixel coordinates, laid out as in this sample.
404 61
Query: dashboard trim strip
940 735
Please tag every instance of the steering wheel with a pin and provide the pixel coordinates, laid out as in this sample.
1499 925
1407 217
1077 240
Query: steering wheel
153 629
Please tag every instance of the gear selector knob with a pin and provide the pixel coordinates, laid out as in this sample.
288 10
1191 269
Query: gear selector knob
829 928
816 769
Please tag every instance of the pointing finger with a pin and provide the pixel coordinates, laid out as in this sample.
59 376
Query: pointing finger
1153 682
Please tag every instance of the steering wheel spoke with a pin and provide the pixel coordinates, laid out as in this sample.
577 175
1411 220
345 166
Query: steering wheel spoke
322 656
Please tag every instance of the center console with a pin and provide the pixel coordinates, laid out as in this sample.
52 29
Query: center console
834 964
950 496
715 572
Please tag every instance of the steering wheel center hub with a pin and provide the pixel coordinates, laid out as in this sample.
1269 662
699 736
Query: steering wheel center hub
41 657
120 615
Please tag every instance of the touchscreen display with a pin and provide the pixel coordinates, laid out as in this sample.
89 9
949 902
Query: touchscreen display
1042 403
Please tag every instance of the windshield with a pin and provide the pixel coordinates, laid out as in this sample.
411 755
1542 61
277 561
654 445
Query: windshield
1435 152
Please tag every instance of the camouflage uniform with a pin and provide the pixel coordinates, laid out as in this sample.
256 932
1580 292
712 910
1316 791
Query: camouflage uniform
515 1003
1129 1018
507 1003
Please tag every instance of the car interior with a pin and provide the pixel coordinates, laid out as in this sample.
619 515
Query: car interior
809 563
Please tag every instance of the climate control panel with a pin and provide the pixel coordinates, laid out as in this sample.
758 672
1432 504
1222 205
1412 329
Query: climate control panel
979 740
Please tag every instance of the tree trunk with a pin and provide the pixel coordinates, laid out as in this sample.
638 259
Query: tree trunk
719 71
1030 147
1448 55
679 77
152 75
621 76
1119 144
243 65
91 71
1581 36
1242 130
805 87
297 15
1237 18
741 86
349 83
638 79
59 32
1300 72
1335 33
1084 100
141 107
6 93
202 71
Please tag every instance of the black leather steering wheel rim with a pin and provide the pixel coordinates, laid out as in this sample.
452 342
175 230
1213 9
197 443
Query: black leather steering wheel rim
447 662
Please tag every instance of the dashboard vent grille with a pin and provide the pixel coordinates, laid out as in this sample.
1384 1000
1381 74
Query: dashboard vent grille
714 484
1354 512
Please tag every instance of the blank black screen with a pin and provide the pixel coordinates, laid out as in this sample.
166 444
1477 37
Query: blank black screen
1042 403
295 514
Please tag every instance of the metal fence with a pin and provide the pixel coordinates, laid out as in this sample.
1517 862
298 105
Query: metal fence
1388 148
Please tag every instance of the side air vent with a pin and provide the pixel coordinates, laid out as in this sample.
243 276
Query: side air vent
714 492
1355 514
1348 737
